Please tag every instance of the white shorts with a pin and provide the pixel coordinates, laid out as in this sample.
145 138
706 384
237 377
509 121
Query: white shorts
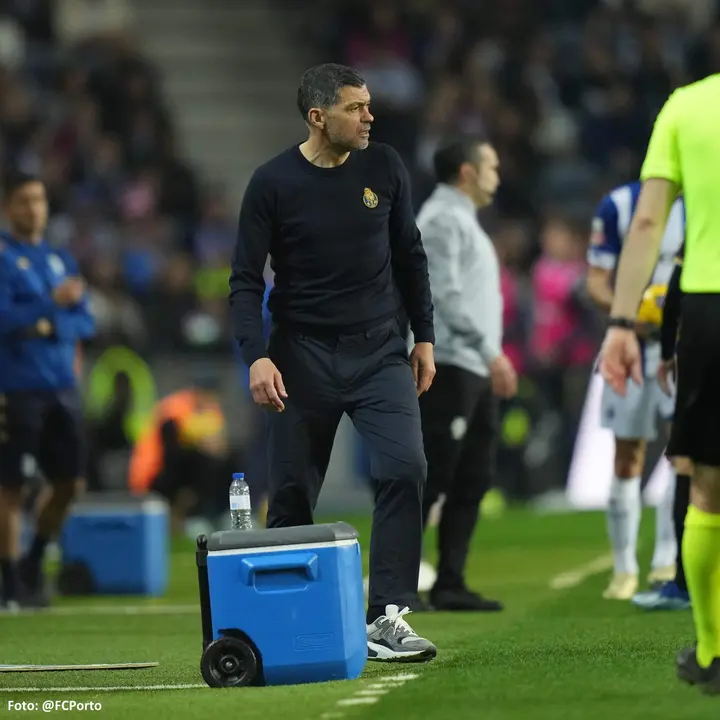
635 416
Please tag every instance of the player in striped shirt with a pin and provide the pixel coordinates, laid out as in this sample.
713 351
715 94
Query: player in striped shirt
633 418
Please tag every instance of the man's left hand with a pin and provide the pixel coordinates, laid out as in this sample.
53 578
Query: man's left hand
422 361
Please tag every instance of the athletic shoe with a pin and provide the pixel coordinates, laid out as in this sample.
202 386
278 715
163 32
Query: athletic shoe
688 670
659 576
9 607
391 639
462 599
34 592
622 587
668 597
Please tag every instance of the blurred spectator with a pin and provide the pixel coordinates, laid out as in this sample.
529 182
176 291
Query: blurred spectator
184 455
381 47
12 43
97 20
81 106
513 244
119 317
110 436
215 237
560 336
563 340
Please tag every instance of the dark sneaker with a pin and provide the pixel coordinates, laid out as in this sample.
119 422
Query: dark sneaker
463 599
391 639
668 597
688 670
34 592
419 605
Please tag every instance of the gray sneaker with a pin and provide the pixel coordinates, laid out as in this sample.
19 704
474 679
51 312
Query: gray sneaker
391 639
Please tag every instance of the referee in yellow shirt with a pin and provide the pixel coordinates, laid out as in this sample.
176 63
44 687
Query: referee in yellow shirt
684 157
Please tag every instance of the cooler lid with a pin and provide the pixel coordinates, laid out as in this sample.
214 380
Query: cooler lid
119 501
277 537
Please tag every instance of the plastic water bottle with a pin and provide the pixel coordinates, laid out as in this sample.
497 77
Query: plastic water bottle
240 503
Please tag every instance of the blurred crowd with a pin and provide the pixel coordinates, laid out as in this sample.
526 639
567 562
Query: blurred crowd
566 90
568 93
81 106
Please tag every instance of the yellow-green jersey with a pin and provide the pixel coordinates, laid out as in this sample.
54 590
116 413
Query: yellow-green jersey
685 149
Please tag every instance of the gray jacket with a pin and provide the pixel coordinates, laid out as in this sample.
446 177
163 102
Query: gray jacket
464 279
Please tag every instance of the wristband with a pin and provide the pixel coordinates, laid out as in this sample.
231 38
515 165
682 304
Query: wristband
623 323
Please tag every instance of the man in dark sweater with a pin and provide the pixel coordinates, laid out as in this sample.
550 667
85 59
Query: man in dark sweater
349 263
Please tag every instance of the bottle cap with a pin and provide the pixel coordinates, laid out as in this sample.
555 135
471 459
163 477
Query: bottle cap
238 476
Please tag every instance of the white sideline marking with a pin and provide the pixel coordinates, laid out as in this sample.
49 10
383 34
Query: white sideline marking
78 610
357 701
371 693
105 688
575 577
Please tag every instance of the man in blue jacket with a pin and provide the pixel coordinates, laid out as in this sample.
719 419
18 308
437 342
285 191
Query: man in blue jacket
43 315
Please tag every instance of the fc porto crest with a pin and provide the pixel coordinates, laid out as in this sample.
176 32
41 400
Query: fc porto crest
56 264
370 198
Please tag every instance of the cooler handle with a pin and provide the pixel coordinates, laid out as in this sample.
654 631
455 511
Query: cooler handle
110 523
307 562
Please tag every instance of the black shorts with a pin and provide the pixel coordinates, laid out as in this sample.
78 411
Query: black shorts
41 429
696 424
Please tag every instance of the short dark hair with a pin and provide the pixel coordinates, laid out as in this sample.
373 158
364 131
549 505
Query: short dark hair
15 179
451 155
320 86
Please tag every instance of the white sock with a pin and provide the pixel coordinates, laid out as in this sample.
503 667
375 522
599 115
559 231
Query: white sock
623 523
665 553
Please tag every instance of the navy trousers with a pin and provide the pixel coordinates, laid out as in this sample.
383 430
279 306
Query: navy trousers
367 376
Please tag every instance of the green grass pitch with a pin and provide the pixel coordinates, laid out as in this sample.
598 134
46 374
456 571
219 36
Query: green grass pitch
553 654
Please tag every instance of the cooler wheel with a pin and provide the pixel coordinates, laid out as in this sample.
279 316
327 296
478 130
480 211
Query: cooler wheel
228 662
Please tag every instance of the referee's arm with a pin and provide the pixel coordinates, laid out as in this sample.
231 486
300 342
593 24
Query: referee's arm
410 264
247 281
662 181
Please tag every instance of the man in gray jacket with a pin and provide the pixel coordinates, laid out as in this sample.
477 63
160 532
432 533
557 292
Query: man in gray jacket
459 413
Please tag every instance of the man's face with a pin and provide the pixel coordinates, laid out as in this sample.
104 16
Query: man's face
347 123
487 174
27 210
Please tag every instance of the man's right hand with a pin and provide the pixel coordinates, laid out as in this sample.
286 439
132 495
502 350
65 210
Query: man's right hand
266 385
503 376
69 292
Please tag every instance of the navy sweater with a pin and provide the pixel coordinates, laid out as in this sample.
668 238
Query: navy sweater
344 246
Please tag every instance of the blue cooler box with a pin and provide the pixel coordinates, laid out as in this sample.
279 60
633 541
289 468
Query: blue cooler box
282 606
115 544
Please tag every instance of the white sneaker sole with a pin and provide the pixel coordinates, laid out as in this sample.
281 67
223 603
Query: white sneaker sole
382 653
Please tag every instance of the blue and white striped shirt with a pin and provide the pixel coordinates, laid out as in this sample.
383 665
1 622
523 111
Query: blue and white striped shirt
612 222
